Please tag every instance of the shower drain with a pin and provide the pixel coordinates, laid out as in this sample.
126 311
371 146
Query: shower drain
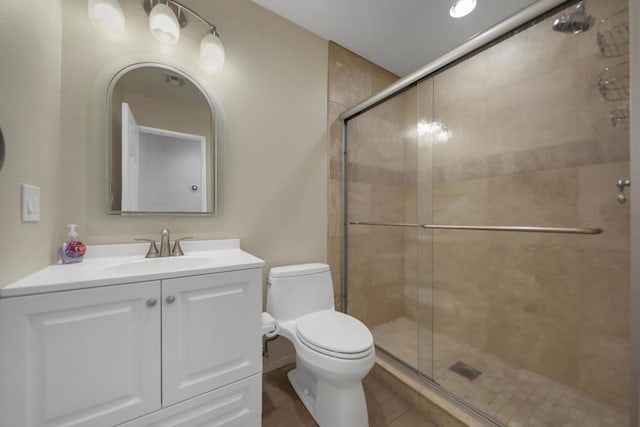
465 370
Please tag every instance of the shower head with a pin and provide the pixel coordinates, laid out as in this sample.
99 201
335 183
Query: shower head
574 22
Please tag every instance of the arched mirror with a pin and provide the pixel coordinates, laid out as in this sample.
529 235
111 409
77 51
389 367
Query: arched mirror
162 143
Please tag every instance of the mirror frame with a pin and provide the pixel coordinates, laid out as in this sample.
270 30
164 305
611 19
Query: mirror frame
215 124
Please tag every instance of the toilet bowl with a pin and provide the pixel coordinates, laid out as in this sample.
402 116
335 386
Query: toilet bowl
334 351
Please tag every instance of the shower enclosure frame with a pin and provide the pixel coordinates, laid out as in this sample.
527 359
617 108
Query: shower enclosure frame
634 126
478 42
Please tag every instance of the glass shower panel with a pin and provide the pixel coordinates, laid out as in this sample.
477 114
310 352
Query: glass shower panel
530 328
382 259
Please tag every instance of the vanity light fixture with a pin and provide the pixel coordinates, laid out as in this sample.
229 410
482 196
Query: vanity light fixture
167 17
106 15
462 8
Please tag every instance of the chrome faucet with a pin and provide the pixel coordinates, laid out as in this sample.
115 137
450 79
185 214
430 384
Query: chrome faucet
164 243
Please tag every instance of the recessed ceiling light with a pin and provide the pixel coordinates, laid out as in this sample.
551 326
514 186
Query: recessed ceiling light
462 8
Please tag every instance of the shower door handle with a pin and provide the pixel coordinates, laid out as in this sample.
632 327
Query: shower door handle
622 184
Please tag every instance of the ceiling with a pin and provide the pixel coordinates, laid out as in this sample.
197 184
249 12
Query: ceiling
399 35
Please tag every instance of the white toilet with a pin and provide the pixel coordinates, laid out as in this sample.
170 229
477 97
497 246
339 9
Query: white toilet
334 351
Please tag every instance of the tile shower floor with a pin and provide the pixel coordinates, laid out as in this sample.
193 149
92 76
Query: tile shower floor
282 408
514 396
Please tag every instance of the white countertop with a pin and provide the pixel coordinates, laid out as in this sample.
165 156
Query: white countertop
126 263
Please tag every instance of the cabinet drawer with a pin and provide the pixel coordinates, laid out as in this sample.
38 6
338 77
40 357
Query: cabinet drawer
211 328
238 404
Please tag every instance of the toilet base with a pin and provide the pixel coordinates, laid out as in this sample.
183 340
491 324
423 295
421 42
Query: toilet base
330 405
303 392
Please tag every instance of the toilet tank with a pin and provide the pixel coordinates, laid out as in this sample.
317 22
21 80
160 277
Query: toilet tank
296 290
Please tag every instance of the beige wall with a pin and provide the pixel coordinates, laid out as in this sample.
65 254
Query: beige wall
272 178
30 121
273 156
272 152
273 159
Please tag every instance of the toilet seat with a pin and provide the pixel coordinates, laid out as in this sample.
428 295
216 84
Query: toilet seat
335 334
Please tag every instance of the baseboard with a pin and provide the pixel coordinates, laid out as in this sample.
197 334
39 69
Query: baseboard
277 364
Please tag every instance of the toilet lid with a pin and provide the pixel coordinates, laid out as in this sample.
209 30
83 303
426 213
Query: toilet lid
334 332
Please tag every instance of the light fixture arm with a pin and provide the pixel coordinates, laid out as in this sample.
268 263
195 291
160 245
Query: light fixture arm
179 8
191 12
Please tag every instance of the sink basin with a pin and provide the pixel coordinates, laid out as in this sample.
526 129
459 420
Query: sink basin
160 265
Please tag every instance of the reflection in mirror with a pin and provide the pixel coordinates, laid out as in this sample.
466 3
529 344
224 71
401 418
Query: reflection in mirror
162 143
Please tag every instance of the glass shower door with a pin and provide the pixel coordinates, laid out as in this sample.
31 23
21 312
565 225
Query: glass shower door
448 186
382 238
428 133
530 328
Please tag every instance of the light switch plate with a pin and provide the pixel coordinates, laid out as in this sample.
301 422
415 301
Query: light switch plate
30 203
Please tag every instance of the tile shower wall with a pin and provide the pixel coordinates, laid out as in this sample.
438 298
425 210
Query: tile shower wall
351 80
531 144
380 191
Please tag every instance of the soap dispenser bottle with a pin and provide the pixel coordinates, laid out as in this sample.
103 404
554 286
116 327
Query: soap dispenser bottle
73 249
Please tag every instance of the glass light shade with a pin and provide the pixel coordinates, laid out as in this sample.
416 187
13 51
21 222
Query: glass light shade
106 15
212 52
164 24
462 8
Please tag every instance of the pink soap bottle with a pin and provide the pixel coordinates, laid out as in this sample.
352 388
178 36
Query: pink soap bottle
73 249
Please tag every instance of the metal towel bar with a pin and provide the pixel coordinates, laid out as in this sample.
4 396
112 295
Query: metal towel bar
517 228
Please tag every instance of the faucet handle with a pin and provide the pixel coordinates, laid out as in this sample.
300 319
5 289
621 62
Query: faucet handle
153 249
177 250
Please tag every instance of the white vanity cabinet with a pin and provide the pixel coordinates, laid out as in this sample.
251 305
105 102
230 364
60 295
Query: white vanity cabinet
178 351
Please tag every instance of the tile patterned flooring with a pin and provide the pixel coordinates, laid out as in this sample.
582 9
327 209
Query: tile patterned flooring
514 396
282 408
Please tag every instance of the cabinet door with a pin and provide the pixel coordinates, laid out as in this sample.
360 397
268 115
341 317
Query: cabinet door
210 332
87 357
